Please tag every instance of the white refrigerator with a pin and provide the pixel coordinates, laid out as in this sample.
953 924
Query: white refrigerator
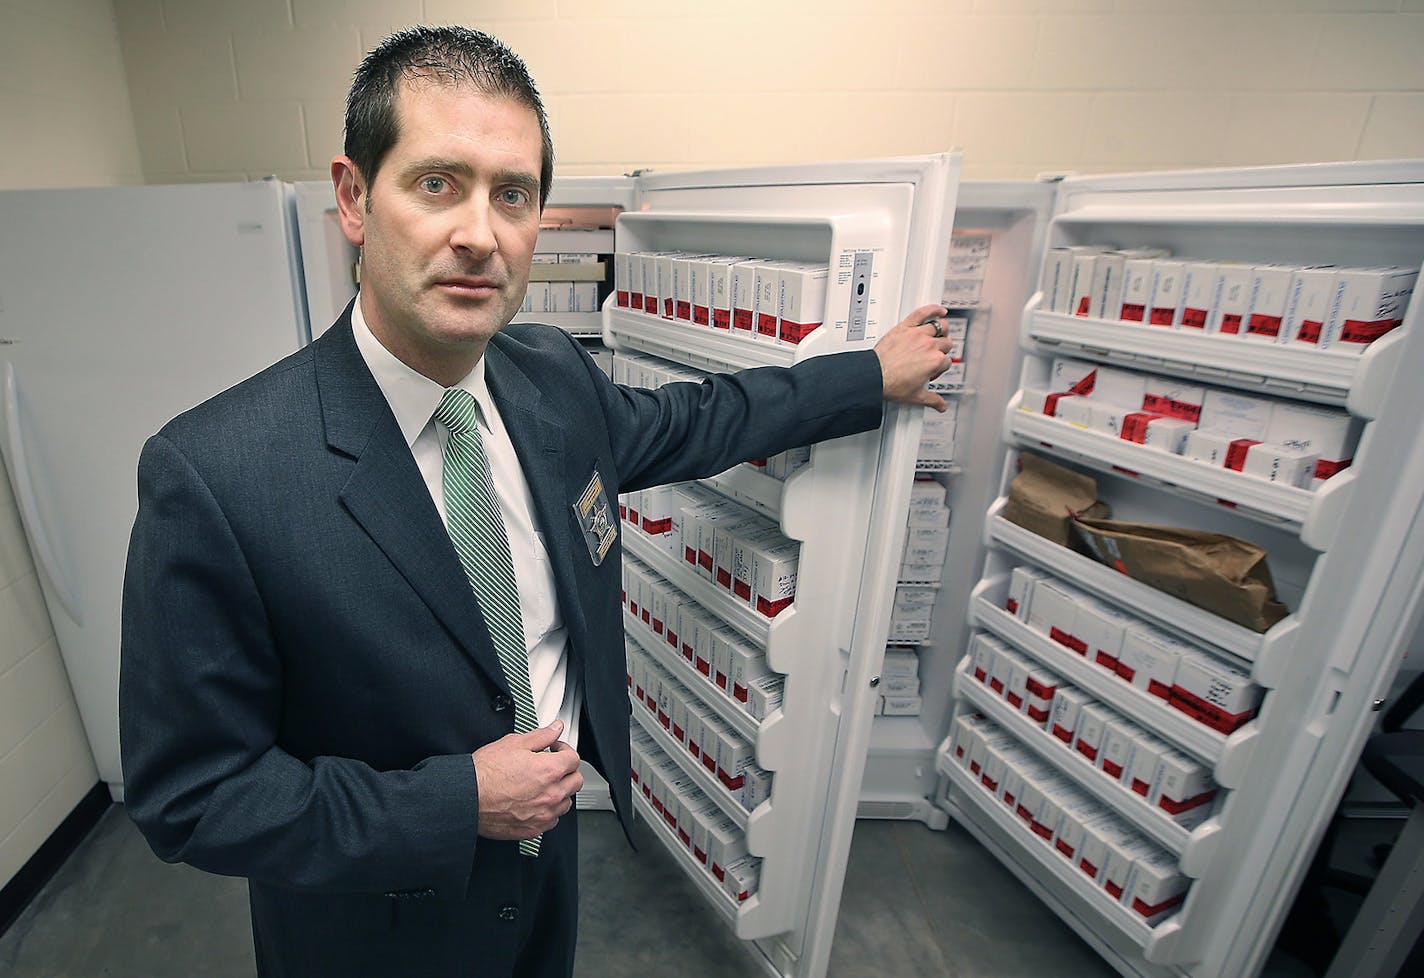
119 308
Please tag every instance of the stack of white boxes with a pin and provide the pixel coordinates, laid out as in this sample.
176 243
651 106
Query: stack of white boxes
762 299
965 270
571 286
1130 869
1285 442
1323 307
1182 675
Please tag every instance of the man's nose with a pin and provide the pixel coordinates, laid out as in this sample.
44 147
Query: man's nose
473 230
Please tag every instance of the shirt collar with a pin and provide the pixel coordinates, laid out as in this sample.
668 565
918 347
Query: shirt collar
413 397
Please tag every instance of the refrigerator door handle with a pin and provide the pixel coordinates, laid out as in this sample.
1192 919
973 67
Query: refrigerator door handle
25 496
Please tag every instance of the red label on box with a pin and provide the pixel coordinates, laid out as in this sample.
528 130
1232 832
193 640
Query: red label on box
671 637
689 554
1194 318
684 310
1087 750
1083 303
796 332
687 651
1133 312
1236 453
1199 709
1310 331
731 782
1064 848
742 320
1063 638
1039 689
657 526
1261 325
1088 868
1115 889
1140 786
1134 426
667 309
739 692
679 733
1012 606
991 785
721 319
724 577
766 324
1177 807
1023 813
1366 331
997 685
704 667
699 315
1158 404
1038 714
979 674
1163 315
650 304
1015 700
742 589
1063 733
1230 323
1042 830
771 609
1114 769
1147 911
1126 672
1158 688
722 679
704 560
1105 660
1325 468
623 298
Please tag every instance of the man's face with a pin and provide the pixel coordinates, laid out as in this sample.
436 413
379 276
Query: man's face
449 234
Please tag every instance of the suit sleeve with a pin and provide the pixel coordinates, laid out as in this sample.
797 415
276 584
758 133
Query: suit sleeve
199 708
693 430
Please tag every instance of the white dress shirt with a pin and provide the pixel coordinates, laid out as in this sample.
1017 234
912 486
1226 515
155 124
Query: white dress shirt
413 398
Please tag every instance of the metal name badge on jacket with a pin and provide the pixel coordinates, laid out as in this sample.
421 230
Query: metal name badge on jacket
595 518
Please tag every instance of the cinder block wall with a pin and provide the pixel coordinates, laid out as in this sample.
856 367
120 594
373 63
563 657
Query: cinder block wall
224 89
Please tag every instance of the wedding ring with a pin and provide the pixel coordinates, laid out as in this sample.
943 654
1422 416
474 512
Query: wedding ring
938 328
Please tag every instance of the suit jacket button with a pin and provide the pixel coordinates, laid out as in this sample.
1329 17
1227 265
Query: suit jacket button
502 703
509 912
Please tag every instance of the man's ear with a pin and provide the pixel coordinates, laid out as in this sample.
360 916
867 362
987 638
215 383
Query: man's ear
351 193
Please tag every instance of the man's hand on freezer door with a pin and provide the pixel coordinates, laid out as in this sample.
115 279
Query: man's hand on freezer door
912 354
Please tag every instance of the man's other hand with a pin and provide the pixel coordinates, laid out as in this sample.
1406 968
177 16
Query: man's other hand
912 354
526 783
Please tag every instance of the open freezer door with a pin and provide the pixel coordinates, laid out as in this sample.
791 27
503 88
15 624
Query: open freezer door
856 247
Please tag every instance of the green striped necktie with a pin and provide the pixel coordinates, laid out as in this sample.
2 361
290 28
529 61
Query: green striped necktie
477 530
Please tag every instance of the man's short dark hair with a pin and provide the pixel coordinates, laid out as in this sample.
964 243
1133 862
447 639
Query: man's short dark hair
441 55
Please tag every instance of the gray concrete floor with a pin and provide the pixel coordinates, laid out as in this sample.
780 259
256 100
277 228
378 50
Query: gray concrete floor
917 903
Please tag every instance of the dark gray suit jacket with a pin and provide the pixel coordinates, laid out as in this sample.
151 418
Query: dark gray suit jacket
305 670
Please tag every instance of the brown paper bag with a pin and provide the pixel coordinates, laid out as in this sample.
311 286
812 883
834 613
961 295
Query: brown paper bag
1214 571
1044 495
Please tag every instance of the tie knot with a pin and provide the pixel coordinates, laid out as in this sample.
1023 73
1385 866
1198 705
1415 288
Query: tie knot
457 411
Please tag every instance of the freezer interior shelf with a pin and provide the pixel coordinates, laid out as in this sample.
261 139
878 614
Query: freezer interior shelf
750 487
1186 620
708 692
1099 783
1325 376
1050 869
1152 712
575 323
1269 502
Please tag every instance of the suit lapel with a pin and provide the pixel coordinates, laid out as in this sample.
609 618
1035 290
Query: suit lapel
387 496
541 442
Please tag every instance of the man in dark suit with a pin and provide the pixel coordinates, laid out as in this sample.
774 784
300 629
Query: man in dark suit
313 689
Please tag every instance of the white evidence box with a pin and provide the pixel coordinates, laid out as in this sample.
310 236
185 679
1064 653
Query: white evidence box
1142 764
983 648
1022 581
1270 299
1136 291
1368 303
719 291
991 739
967 727
1155 887
1166 298
1330 434
1149 660
684 270
725 641
1110 279
925 545
1311 292
1157 431
1016 681
725 533
697 716
768 301
901 705
1068 703
1214 693
1041 685
1122 388
744 296
1100 836
802 300
748 666
1040 801
725 845
536 298
734 757
1057 281
1237 415
1072 827
742 878
764 696
1119 737
679 721
900 685
927 495
1211 447
900 661
1277 463
622 296
1080 291
1002 666
1232 299
774 569
1123 854
1199 284
1183 788
1088 735
1054 612
1075 409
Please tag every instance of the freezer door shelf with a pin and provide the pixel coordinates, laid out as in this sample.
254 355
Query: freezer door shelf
746 485
1191 623
1324 376
1111 792
706 780
718 602
696 346
708 692
1112 929
1197 739
1272 503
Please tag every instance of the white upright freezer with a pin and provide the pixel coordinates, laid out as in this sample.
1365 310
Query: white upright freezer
119 308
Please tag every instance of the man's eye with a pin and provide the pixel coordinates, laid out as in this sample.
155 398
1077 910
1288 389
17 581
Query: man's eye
433 185
514 197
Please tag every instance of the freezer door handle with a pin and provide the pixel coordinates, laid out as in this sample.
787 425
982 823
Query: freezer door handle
25 496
